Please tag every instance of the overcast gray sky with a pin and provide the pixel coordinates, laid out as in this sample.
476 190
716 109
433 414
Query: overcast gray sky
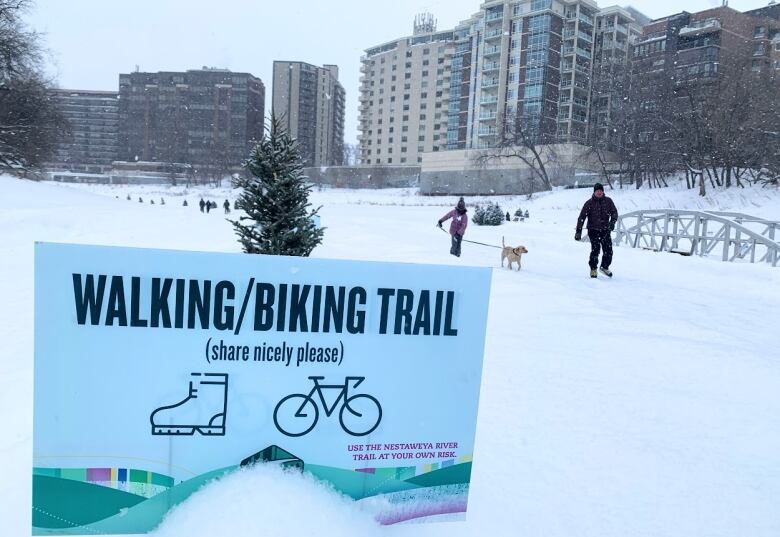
92 41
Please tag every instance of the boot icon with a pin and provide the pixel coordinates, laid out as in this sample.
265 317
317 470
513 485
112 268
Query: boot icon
203 410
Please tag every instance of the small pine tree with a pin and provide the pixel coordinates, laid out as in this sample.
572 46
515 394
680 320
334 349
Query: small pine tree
494 215
479 215
275 199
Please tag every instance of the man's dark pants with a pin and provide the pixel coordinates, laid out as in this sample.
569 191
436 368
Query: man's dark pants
600 239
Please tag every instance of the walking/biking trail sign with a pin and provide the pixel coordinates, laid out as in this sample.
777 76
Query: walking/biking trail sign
157 371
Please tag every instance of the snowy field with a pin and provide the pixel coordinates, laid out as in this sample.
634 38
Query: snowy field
645 405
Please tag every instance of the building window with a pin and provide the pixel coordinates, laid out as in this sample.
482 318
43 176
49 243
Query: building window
760 32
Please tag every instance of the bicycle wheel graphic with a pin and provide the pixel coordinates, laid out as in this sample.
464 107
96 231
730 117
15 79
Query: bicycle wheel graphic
296 415
360 415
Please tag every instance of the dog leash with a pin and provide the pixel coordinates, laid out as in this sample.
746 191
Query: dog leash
474 242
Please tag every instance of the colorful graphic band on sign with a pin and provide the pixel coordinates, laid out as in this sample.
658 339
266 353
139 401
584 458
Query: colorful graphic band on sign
365 375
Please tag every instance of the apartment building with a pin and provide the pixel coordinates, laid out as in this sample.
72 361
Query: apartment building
766 35
200 117
522 68
617 29
310 102
93 120
404 93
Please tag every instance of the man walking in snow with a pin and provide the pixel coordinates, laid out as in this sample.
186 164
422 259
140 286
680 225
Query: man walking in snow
601 214
202 204
226 205
458 225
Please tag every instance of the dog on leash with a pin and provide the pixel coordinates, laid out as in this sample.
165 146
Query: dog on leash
513 254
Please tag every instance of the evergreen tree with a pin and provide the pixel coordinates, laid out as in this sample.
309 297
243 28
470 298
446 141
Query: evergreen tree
492 215
275 199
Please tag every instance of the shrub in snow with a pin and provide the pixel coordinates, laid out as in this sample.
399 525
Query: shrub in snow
490 215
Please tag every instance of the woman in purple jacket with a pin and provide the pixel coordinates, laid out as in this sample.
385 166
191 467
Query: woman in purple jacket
457 226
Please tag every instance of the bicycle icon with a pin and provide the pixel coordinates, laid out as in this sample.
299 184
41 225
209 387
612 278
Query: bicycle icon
297 414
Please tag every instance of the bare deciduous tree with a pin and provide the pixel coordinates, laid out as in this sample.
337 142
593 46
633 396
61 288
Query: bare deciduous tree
515 141
30 119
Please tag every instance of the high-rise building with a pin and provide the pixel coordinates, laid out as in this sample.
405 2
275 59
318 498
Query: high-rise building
199 117
522 69
690 47
93 120
310 102
616 32
766 35
404 93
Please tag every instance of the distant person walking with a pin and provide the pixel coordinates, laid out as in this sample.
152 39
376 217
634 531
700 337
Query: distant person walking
602 215
208 207
226 205
457 227
202 204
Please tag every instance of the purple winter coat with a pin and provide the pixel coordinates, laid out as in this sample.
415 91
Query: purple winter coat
459 221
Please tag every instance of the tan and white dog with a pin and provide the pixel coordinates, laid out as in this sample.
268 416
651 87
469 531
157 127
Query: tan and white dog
512 254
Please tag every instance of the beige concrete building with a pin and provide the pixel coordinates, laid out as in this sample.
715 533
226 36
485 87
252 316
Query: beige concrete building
404 93
310 101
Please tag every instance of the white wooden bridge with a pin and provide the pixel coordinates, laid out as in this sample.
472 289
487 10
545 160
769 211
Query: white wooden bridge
732 236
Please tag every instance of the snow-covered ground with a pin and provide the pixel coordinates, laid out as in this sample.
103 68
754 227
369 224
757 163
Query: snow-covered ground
646 405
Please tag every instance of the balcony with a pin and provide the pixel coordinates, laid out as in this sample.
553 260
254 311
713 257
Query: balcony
703 27
578 84
580 102
569 33
487 132
491 51
487 116
493 34
492 17
490 83
491 66
587 19
580 52
488 100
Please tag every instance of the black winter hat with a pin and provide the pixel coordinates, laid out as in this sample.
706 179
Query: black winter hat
598 186
461 203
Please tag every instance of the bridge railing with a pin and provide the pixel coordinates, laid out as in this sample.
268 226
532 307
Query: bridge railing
702 233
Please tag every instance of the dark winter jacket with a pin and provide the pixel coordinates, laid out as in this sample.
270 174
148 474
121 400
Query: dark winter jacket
600 213
459 222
